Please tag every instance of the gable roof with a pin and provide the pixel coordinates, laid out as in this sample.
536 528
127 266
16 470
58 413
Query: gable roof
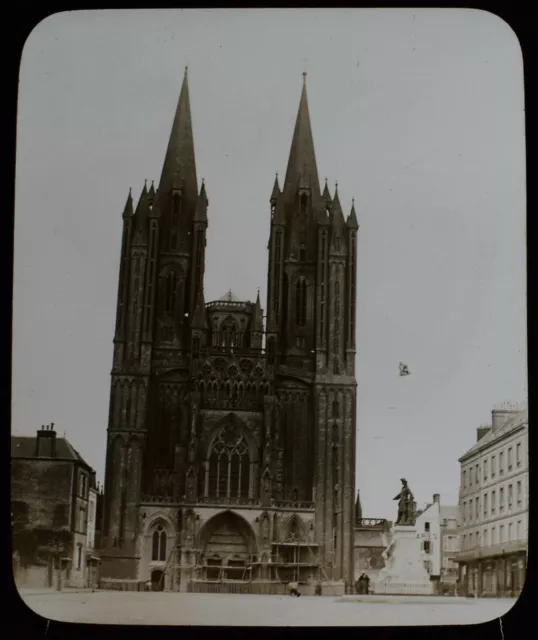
24 447
518 420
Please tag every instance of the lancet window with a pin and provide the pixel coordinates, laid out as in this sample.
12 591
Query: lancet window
229 465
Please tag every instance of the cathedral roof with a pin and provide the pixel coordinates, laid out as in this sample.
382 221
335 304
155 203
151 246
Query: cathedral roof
179 168
302 167
229 296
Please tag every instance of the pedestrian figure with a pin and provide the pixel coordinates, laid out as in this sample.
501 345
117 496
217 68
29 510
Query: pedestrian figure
318 589
294 589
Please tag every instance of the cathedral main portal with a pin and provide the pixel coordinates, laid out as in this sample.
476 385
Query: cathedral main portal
228 547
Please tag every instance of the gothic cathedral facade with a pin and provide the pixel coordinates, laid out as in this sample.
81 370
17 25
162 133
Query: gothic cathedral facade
232 435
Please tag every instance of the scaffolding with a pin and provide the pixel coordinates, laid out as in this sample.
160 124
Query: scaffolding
275 564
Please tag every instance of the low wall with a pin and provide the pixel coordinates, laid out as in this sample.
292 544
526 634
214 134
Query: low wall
121 585
33 577
262 588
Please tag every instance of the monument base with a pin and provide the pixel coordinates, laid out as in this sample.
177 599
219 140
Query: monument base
404 571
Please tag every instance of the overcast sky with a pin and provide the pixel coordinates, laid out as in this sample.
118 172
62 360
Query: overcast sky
418 114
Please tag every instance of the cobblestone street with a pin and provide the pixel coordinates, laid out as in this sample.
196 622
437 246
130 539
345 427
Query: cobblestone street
114 607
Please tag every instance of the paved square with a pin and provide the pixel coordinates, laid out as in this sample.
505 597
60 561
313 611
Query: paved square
116 607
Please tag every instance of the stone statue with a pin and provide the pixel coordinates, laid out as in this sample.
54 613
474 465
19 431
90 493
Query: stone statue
406 511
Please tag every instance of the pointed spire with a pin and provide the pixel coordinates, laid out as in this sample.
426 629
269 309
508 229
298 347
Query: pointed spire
128 210
302 160
336 209
327 193
201 206
199 320
276 190
352 219
358 508
179 168
257 316
152 189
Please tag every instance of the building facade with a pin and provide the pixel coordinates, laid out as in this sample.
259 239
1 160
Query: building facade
51 487
450 545
437 528
231 439
428 527
494 507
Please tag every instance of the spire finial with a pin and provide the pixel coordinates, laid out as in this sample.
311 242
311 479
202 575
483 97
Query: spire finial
304 77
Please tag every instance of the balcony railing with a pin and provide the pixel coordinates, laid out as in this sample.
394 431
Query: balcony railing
235 501
501 548
293 504
371 522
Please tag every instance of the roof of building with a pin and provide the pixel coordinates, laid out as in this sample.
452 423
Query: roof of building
518 420
450 512
229 296
25 446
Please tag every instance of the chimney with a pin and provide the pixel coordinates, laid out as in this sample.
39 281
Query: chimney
499 417
436 497
481 432
46 442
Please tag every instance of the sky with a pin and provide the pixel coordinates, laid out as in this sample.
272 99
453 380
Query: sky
417 114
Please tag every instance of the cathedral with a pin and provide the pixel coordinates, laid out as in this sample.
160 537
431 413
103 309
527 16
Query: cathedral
231 436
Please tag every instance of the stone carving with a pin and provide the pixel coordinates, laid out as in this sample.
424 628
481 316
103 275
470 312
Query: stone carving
406 505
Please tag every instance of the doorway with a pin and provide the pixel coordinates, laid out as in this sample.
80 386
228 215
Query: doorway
157 580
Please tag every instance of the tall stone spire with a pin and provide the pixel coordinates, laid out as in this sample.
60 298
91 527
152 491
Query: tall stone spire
302 167
179 168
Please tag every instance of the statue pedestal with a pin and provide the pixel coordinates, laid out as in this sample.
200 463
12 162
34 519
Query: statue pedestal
404 571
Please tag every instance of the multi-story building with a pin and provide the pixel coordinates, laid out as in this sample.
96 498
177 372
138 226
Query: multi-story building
231 441
493 508
95 498
51 487
450 544
437 529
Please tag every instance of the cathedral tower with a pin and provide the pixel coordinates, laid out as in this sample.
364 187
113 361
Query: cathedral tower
225 457
311 304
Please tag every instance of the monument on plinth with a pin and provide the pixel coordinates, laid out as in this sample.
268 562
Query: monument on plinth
404 571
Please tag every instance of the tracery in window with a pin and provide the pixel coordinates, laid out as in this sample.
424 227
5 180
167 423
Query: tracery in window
229 465
158 549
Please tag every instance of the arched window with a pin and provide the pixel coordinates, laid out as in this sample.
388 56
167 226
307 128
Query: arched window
158 548
229 466
170 299
300 302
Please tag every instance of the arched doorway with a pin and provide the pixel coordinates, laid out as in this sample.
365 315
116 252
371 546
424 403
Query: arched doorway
157 580
229 544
